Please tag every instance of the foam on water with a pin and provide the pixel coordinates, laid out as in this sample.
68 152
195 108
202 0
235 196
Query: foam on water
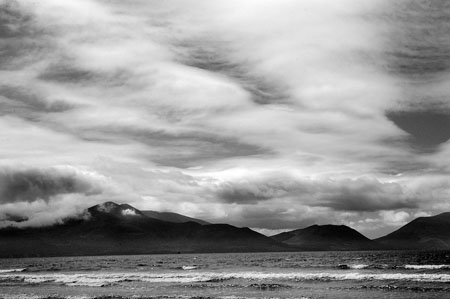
103 279
12 270
362 266
359 266
189 267
427 267
27 296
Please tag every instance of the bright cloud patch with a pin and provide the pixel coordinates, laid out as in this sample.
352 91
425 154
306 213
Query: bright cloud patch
128 212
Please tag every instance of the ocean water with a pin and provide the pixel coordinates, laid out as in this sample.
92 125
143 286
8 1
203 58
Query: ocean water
383 274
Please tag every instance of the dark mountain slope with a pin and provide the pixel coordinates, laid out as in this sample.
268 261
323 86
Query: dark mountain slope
325 237
173 217
421 233
110 228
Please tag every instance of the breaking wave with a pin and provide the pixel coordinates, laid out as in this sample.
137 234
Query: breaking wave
363 266
427 267
385 266
189 267
104 279
8 296
12 270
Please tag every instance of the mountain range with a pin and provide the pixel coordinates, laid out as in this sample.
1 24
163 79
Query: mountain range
110 228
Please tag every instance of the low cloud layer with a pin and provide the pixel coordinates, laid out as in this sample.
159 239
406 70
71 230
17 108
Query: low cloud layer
359 194
256 112
27 185
44 196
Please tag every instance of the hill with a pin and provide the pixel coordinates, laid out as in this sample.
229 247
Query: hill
325 237
421 233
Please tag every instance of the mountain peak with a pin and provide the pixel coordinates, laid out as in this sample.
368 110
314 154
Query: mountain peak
334 231
112 208
422 233
107 206
325 237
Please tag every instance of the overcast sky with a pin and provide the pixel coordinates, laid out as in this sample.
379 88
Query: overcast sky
272 114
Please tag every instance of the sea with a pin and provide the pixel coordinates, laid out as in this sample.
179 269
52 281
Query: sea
301 275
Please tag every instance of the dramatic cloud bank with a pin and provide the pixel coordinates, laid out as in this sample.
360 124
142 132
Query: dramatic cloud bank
273 114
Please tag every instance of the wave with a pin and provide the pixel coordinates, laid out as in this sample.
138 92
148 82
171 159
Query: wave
12 270
269 286
359 266
189 267
385 266
24 296
362 266
105 279
413 288
426 267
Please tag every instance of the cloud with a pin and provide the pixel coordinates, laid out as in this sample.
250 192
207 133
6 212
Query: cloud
129 212
44 196
344 194
427 129
228 110
254 191
395 218
367 195
43 213
33 184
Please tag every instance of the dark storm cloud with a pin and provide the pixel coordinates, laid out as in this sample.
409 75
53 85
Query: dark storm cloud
365 201
245 194
363 195
360 195
427 129
32 184
254 190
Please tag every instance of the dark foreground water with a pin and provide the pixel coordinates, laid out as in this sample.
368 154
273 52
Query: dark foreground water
231 276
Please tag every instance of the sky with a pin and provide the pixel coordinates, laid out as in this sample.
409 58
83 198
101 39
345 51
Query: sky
270 114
